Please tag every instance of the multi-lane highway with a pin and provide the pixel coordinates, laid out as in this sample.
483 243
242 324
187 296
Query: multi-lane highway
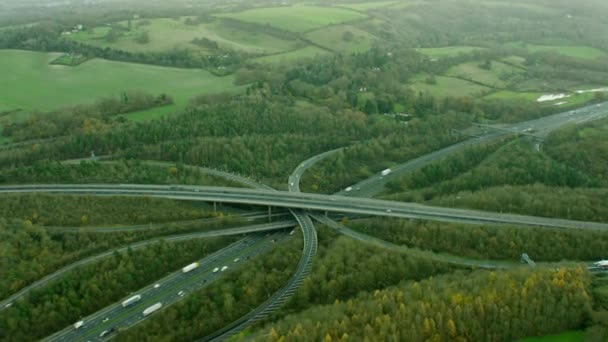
539 127
173 238
316 202
169 290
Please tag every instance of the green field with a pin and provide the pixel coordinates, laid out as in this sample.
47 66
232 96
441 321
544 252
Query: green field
496 77
574 99
296 18
513 96
167 34
450 51
307 52
364 6
339 39
448 86
570 336
30 83
581 52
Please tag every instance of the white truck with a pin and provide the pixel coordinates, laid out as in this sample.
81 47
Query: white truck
190 267
78 324
601 263
385 172
131 301
152 309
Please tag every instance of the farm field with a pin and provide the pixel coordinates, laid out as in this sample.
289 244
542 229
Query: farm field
449 51
307 52
497 76
572 99
448 86
342 38
580 52
296 18
364 6
30 83
166 34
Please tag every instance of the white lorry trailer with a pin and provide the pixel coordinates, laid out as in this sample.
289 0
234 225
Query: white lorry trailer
190 267
152 309
131 301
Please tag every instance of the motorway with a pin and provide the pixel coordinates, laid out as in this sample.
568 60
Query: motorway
294 186
316 202
117 317
540 127
173 238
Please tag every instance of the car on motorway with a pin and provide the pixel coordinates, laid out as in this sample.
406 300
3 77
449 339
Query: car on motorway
106 332
105 319
237 259
8 305
389 211
78 324
215 270
224 268
181 293
156 286
350 188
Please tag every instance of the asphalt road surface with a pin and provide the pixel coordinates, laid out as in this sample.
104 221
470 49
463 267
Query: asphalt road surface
169 290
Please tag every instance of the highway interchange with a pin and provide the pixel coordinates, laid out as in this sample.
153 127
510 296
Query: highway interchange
303 205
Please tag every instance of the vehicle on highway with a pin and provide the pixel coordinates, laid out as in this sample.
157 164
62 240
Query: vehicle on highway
106 332
224 268
237 259
181 293
190 267
292 232
388 211
152 309
350 188
8 305
601 263
156 286
131 301
215 270
105 319
385 172
78 324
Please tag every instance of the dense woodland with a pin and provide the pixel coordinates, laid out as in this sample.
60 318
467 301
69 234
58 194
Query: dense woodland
479 306
115 171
